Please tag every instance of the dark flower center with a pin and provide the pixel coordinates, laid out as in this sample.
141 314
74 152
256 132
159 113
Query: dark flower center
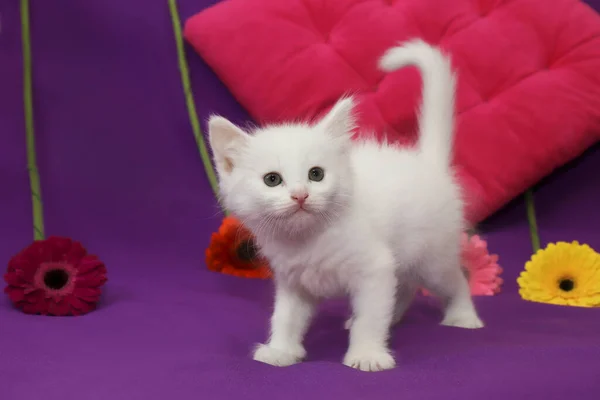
566 285
247 250
56 278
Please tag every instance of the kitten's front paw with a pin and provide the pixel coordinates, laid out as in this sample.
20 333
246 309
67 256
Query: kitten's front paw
369 360
463 320
278 358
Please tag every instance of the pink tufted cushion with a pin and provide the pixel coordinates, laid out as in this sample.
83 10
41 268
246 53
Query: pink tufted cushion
529 75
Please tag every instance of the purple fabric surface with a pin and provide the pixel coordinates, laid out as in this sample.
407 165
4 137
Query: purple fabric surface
121 173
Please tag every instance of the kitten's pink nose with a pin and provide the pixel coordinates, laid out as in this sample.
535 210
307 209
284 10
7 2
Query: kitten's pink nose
299 197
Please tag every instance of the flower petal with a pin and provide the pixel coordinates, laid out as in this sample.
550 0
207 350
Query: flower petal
75 253
62 307
15 294
15 279
31 308
79 305
86 293
59 246
35 296
89 264
91 280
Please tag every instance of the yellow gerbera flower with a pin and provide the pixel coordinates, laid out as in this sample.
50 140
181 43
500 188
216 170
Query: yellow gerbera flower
564 274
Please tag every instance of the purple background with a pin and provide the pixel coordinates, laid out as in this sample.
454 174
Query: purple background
121 173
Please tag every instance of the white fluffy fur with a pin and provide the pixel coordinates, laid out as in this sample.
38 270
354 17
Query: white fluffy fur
381 223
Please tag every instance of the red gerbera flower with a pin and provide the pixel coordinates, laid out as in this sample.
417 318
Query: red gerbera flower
232 251
55 276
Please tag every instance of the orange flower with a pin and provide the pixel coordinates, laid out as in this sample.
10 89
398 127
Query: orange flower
232 251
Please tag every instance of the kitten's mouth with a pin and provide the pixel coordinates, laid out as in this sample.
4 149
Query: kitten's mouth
299 210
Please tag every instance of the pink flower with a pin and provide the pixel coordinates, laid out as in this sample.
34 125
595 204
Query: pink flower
479 266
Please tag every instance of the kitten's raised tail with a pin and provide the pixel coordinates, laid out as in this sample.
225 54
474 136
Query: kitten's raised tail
436 117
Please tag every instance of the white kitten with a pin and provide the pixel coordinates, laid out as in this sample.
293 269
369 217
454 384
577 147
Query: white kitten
340 217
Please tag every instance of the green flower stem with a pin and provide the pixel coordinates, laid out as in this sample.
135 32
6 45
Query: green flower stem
189 99
533 230
34 176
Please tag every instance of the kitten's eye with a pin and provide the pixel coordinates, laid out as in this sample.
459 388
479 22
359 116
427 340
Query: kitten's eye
272 179
316 174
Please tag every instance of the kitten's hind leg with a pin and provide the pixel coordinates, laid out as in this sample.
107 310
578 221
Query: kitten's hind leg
447 281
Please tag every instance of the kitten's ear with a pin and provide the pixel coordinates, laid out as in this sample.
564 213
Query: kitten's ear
339 121
227 141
